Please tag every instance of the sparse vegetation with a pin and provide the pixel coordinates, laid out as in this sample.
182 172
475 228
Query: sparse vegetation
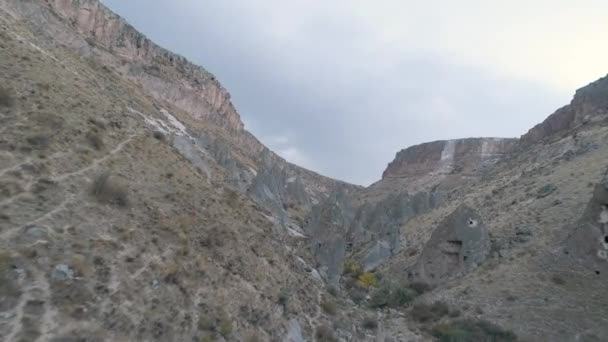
106 190
329 307
367 280
392 295
419 286
325 334
283 297
225 327
370 323
429 313
206 323
353 268
6 99
472 331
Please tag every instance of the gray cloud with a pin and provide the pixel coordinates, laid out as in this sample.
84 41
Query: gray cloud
323 91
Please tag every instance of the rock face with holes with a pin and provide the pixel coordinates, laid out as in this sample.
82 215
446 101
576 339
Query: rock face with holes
458 245
588 241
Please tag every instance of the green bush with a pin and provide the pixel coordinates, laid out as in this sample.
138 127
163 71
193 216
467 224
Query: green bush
472 331
367 280
429 313
392 295
352 267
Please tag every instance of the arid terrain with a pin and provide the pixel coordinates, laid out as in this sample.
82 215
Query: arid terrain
135 206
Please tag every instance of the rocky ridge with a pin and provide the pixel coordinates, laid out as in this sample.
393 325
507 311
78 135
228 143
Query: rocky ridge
135 206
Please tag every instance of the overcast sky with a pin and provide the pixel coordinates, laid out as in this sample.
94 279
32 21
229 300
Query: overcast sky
340 86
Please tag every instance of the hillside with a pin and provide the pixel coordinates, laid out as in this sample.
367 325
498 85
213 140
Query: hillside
135 206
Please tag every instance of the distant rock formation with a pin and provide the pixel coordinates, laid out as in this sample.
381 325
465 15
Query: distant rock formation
448 156
589 104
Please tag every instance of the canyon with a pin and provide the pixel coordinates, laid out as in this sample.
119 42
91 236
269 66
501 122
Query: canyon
135 206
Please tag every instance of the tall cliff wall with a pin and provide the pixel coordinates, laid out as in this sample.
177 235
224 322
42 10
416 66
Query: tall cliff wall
447 156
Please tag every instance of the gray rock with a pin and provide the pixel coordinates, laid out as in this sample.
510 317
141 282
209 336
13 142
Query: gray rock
376 255
457 246
193 153
62 272
588 241
294 332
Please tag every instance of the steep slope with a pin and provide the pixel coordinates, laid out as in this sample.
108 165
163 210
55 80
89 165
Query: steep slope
91 30
108 232
123 215
135 206
501 236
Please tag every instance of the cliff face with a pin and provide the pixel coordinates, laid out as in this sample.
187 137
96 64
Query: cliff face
165 75
94 32
448 156
588 105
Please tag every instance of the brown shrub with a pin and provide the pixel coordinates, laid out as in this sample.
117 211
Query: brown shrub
106 190
325 334
329 307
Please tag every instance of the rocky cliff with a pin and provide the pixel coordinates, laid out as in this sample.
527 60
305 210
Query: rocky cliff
448 156
134 205
91 30
588 105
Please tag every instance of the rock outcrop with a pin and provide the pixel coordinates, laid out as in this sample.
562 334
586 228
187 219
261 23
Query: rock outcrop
589 104
448 156
588 242
134 205
458 245
108 40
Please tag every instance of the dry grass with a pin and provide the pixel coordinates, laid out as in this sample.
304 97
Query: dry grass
329 307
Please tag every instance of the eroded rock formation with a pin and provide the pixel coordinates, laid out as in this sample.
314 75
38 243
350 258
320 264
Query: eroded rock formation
458 245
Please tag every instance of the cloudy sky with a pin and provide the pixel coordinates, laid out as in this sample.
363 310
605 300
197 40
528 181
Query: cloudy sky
340 86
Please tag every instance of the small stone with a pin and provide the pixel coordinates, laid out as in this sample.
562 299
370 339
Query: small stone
155 284
62 272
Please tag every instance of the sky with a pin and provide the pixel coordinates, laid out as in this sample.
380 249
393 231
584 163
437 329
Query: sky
340 86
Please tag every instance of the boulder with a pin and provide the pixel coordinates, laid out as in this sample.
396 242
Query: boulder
457 246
